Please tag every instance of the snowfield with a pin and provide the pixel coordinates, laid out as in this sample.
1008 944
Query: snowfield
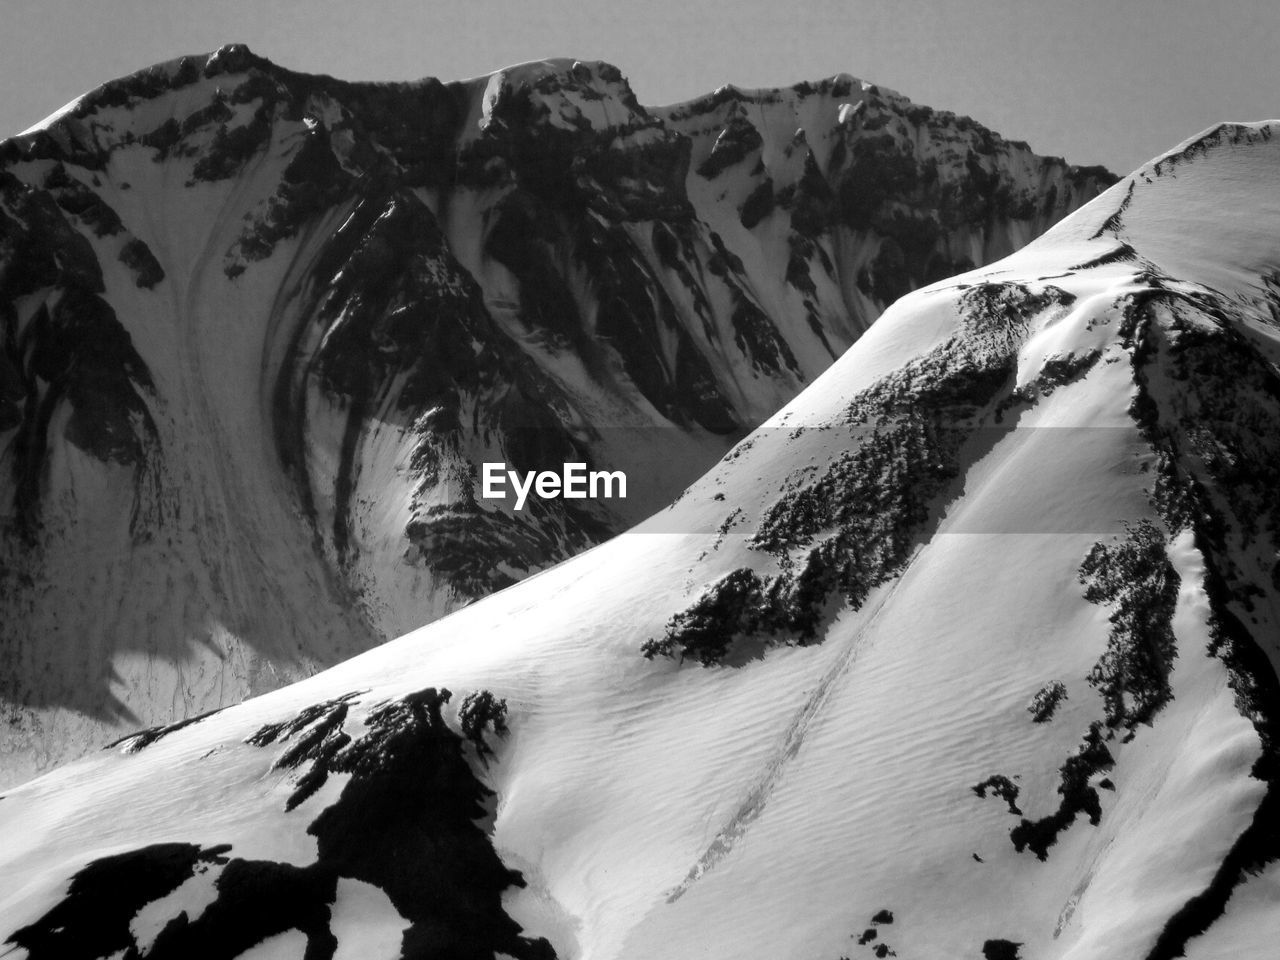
1056 469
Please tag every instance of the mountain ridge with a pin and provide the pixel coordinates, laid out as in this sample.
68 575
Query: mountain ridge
829 791
262 327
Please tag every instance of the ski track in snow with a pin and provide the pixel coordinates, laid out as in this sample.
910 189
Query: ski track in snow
792 740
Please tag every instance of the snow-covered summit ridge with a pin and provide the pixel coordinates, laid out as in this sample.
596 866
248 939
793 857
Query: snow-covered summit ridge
976 657
1171 210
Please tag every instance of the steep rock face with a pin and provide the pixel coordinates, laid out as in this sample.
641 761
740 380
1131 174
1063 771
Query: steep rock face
260 328
856 190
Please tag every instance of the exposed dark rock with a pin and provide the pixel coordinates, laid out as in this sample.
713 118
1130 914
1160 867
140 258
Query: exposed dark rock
314 181
1045 702
144 85
137 256
879 171
587 208
1056 372
73 350
1136 578
81 201
138 741
93 919
1002 787
1062 370
317 747
283 730
637 319
1121 254
758 205
754 332
729 608
41 248
396 317
233 147
1000 950
1078 796
1207 401
858 518
481 710
1114 222
737 141
1189 427
405 823
577 167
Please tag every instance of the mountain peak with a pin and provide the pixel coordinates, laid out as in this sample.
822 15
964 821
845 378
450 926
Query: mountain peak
386 285
949 627
1170 211
566 94
968 651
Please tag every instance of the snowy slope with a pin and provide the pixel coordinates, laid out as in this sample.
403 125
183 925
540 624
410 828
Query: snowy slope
970 651
261 328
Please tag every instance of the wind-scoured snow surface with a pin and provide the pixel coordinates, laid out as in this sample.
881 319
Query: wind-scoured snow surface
259 329
970 651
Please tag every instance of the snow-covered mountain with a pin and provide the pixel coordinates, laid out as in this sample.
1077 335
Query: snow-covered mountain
969 651
260 328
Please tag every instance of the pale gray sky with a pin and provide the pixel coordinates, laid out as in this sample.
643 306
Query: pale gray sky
1096 81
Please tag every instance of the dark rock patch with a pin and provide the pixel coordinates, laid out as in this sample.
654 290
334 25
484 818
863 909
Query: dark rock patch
93 919
79 200
1045 702
1000 950
857 519
405 822
1078 796
758 205
321 738
137 256
1208 401
737 140
1002 787
140 741
313 182
72 351
1136 578
481 711
729 608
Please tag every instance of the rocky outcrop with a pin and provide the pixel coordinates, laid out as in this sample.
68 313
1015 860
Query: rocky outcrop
370 837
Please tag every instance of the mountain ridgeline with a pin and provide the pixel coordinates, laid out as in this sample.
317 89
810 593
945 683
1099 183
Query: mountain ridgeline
261 327
970 650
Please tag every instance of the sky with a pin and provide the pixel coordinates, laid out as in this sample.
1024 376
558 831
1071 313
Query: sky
1096 81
